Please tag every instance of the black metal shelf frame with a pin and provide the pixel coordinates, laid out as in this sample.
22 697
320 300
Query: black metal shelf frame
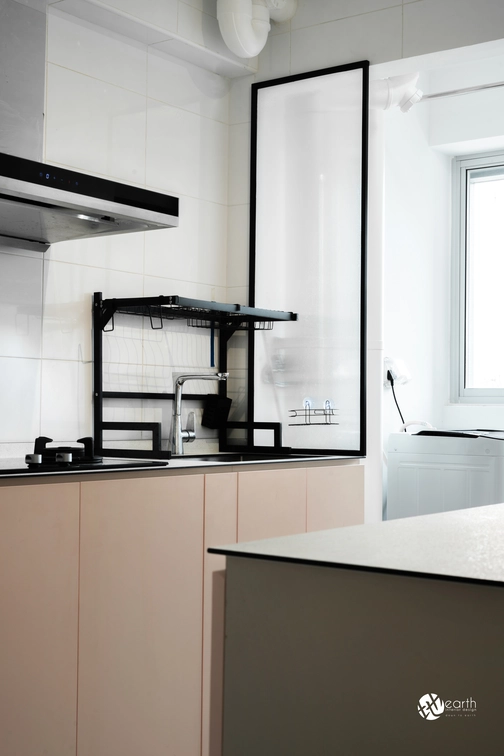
253 251
228 318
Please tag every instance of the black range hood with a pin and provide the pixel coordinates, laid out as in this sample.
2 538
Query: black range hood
41 204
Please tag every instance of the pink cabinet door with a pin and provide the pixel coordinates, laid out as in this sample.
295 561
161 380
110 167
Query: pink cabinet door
220 528
141 602
39 564
335 496
271 503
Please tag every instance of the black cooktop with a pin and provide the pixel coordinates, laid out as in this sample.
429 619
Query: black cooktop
50 460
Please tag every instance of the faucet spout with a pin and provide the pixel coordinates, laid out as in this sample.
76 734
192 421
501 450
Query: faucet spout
180 436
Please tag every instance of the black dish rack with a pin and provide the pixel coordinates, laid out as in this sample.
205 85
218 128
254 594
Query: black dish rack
198 313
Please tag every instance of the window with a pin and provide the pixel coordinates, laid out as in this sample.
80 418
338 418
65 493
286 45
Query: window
479 278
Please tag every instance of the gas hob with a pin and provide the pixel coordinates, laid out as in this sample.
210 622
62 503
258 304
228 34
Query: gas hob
57 460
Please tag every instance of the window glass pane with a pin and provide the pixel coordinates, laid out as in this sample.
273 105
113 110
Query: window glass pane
484 358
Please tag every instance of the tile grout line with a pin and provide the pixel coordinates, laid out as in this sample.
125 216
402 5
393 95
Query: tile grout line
136 92
346 18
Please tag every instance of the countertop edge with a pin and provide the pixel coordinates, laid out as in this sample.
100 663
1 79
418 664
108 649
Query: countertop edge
355 567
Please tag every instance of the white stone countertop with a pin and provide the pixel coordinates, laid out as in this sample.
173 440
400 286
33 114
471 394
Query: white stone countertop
466 544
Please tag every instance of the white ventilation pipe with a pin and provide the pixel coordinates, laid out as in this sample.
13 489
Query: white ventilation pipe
245 24
396 90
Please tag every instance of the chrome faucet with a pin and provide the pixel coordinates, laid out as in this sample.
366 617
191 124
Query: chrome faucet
188 435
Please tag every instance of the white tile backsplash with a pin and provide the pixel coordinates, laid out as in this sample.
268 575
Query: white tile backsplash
186 153
122 346
183 85
196 250
239 164
66 407
122 411
121 377
238 245
155 286
311 13
94 126
20 399
68 292
275 59
96 52
240 99
20 306
373 36
238 295
123 252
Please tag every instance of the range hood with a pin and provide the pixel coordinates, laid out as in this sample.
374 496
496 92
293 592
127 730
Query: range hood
41 204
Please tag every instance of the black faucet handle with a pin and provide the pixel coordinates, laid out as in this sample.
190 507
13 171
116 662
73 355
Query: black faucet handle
40 444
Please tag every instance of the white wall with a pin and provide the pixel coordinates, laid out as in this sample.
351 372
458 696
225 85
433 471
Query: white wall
324 34
418 231
417 267
464 125
118 109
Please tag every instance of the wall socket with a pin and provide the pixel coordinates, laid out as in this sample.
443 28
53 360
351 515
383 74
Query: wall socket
398 371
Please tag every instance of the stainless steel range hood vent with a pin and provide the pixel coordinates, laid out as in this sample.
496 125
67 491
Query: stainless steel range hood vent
42 204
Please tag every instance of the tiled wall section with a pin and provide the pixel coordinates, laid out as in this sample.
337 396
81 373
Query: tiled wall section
330 32
119 110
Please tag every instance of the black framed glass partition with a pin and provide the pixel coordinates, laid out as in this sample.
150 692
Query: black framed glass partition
309 164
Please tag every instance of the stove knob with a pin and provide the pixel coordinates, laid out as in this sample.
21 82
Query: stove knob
41 443
63 457
33 459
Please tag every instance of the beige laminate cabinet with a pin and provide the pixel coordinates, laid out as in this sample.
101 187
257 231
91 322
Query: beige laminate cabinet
297 500
141 616
271 503
112 645
39 551
334 497
221 523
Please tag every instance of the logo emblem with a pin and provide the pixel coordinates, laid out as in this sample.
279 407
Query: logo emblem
430 706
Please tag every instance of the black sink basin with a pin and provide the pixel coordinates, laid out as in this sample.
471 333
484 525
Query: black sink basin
231 457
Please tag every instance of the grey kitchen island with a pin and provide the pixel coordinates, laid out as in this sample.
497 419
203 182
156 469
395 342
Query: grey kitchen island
368 639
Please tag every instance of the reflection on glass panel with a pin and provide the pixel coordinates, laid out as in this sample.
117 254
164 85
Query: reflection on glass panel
309 245
485 272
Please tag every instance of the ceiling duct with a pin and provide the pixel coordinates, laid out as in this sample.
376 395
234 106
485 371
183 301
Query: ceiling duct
396 91
245 24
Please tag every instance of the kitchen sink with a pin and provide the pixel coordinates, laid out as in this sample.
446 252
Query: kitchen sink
187 460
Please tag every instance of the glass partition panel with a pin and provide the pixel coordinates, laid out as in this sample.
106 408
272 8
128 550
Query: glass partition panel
308 229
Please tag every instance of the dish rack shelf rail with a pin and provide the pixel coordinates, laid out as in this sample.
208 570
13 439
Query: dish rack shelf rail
227 318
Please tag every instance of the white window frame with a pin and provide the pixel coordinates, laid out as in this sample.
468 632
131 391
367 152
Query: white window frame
461 167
